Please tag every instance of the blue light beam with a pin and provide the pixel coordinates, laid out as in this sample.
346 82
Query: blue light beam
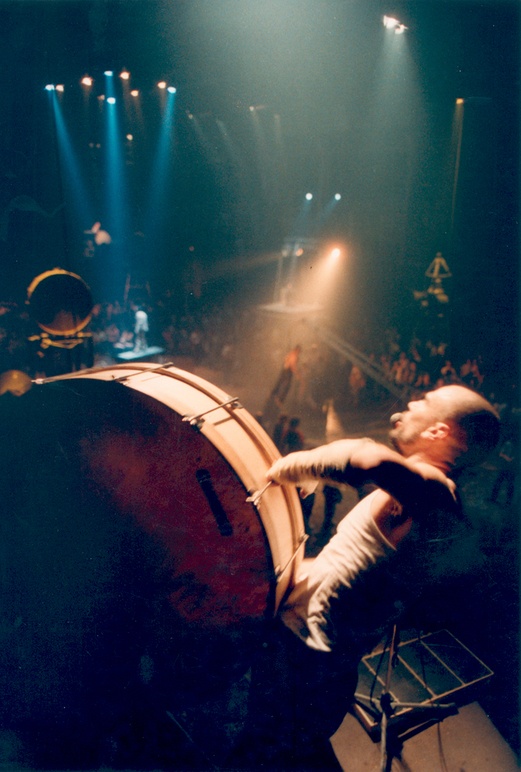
72 182
116 193
327 211
156 207
303 223
116 190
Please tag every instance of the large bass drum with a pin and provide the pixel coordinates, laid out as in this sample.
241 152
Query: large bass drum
138 547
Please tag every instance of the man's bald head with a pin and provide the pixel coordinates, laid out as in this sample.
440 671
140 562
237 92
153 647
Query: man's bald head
474 423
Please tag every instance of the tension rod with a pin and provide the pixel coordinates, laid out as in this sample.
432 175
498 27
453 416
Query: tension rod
198 420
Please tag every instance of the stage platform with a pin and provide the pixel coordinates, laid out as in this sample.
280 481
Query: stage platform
288 309
435 724
467 742
133 356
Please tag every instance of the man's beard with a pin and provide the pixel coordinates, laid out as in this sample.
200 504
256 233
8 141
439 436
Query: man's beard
393 420
399 435
394 442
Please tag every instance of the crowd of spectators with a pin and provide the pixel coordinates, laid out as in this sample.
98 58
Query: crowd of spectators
240 342
200 333
426 365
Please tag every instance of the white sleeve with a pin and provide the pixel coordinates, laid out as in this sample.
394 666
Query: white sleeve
327 462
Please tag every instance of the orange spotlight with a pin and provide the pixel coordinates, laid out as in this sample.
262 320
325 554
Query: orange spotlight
134 92
87 81
320 274
124 75
161 84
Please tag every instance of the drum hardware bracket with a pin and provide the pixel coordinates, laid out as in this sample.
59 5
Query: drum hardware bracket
198 420
146 371
279 572
255 497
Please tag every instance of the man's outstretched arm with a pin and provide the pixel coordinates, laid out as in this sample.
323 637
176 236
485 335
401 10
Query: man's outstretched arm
355 462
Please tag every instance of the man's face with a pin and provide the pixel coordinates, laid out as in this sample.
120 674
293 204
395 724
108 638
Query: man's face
408 426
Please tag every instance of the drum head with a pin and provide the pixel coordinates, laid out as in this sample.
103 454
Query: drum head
60 302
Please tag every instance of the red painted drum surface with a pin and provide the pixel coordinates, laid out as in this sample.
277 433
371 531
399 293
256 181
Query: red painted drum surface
186 483
135 552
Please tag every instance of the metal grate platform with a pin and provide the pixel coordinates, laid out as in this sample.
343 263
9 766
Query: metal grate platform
431 676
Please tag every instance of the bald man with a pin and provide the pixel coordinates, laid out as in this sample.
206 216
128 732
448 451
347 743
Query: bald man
385 552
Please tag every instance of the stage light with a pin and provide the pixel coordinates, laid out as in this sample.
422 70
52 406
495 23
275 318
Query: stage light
60 88
309 196
318 275
460 101
393 24
49 87
171 89
111 100
124 75
134 93
86 81
161 84
390 22
130 137
101 97
108 73
337 196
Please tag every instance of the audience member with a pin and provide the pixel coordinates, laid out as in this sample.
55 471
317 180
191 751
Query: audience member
293 439
279 431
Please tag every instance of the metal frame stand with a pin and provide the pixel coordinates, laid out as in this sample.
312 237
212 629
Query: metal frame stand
420 716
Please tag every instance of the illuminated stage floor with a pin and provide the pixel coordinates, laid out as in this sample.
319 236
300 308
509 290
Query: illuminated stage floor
133 356
468 741
294 309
